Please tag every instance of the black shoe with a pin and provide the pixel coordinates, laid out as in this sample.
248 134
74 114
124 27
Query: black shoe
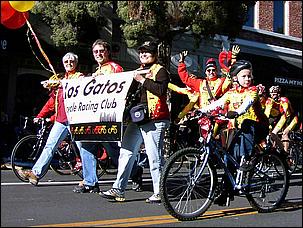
137 186
87 189
223 200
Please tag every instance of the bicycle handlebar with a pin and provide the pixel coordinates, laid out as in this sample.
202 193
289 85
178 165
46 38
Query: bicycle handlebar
199 114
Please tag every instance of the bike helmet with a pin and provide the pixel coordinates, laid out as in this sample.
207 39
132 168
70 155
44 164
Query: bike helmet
238 66
275 89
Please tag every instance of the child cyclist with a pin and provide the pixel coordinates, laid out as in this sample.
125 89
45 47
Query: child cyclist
245 113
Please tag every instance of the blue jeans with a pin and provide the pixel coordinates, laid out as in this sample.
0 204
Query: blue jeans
89 162
251 132
57 134
152 134
88 153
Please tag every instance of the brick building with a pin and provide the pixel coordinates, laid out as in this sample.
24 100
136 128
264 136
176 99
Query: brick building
271 40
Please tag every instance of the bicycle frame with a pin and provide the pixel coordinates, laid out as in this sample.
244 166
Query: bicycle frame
211 148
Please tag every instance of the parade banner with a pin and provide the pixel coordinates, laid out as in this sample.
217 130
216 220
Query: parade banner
95 105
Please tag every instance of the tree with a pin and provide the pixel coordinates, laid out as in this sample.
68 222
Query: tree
163 20
74 22
71 22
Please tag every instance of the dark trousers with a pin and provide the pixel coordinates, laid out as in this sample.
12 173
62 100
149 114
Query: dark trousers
251 132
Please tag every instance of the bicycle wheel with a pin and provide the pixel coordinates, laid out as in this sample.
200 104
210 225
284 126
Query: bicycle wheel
64 159
268 183
293 157
25 154
185 194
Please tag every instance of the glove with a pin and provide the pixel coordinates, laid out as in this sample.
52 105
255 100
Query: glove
198 112
235 51
36 120
183 54
232 114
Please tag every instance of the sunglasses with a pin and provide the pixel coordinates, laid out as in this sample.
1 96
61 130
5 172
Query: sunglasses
69 61
211 70
101 51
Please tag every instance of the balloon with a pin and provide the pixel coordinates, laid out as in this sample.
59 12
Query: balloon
6 11
22 6
16 21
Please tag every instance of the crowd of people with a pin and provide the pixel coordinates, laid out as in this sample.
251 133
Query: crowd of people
234 94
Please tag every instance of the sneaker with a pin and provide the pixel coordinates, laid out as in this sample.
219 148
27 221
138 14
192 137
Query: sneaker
137 187
29 175
114 193
82 188
155 198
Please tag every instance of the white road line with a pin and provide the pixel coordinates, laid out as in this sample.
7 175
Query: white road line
62 182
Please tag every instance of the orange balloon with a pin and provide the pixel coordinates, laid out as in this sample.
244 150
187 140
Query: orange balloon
22 6
6 11
16 21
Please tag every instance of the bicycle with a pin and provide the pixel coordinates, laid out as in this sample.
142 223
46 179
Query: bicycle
28 149
294 152
188 192
178 136
66 160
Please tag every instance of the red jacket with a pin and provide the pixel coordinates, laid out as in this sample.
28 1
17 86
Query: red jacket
55 104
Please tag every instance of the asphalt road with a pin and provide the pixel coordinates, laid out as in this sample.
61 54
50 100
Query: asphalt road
52 203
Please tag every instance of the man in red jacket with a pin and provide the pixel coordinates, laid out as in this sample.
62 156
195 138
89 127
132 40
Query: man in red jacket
209 88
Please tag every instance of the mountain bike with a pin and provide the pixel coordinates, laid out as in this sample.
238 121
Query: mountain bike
188 192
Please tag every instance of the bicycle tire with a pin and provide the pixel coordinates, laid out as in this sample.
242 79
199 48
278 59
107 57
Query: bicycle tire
293 157
64 159
182 197
267 184
107 167
24 157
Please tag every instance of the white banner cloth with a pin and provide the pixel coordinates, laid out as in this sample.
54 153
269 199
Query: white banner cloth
98 99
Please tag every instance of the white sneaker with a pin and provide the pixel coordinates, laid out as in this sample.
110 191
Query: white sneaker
114 193
155 198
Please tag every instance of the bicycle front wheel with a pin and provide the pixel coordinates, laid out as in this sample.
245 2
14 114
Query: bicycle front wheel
268 182
187 191
25 154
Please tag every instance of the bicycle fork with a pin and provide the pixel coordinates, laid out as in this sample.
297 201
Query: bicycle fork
239 177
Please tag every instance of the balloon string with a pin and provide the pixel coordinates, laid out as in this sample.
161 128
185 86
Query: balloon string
28 39
39 45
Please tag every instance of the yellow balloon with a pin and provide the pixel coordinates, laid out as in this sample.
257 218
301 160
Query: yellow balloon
22 6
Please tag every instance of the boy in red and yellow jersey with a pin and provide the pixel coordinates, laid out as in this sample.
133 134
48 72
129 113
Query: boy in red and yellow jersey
245 113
